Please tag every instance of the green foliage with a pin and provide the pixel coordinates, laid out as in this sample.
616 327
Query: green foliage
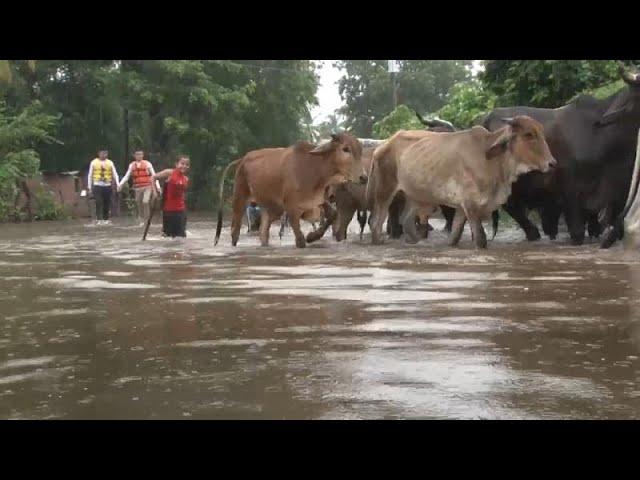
402 118
367 88
466 101
19 136
545 83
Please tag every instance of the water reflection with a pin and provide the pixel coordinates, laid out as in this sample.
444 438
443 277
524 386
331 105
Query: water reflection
96 324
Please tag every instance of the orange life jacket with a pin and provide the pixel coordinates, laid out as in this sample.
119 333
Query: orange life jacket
141 174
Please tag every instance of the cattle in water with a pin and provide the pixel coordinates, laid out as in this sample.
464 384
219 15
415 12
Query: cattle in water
350 197
470 171
594 142
290 180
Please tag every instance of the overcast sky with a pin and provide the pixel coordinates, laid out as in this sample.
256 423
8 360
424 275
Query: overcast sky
328 94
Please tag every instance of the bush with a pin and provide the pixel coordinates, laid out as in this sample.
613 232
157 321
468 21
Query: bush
45 207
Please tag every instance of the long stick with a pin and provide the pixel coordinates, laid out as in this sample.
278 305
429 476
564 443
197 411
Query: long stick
152 211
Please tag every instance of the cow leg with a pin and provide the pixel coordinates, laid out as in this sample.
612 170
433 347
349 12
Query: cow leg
479 236
593 226
394 226
345 214
239 206
329 218
362 220
519 214
294 221
448 213
283 224
409 223
378 216
265 226
550 215
575 219
457 227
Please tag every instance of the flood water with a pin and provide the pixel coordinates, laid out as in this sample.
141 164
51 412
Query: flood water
95 324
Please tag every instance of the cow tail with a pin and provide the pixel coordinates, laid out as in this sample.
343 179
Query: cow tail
616 231
496 217
221 200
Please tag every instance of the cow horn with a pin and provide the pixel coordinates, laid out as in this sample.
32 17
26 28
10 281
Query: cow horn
508 120
627 76
335 137
422 120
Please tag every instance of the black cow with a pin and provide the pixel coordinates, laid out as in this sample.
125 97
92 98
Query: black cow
594 142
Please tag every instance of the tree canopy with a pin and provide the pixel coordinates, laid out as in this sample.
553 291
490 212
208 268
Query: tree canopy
545 83
367 88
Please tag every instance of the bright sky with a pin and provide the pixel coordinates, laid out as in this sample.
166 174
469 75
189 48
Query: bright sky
328 95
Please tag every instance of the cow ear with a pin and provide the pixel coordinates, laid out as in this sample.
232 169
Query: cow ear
498 147
324 148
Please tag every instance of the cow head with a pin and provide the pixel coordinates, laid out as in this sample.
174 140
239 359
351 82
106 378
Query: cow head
626 103
344 152
524 138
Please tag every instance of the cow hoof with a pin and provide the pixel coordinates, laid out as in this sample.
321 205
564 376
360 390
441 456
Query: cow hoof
577 241
312 237
552 237
301 244
411 241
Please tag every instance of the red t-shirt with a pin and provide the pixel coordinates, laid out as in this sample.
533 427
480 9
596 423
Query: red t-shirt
174 195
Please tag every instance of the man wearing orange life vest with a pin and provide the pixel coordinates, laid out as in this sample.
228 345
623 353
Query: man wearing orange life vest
142 171
102 173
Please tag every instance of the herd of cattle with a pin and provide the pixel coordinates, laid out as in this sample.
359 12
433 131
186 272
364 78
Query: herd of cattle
575 161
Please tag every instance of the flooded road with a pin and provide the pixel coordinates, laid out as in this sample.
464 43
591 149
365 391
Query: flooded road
95 324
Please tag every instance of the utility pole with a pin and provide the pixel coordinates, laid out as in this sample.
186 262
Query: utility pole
393 69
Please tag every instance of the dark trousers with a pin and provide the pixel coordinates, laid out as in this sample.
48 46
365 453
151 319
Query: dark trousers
103 201
174 224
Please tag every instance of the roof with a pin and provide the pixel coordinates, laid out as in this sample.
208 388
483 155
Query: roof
49 172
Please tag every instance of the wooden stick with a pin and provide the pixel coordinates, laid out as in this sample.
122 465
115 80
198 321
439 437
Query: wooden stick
152 212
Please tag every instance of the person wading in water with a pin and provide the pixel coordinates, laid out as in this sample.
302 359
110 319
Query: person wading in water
102 173
174 214
141 170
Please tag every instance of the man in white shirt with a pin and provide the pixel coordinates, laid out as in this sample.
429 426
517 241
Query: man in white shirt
102 174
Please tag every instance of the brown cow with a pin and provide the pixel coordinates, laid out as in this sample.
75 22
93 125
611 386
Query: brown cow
290 180
471 171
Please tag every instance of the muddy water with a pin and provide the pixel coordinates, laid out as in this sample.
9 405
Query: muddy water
96 324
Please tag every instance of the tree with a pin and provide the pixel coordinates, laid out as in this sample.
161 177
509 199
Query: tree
367 90
545 83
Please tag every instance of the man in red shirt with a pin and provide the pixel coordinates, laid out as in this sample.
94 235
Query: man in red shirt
174 214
